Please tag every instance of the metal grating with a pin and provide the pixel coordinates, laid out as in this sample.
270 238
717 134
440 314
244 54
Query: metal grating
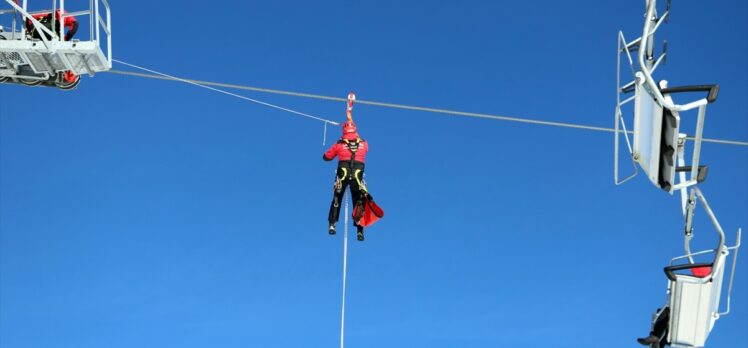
38 63
76 63
14 58
81 63
56 61
96 64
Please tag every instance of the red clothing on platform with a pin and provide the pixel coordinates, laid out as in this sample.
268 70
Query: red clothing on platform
68 20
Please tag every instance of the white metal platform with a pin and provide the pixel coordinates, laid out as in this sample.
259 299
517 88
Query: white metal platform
78 57
26 58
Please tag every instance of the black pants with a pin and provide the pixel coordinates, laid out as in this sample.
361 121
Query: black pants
346 177
661 325
658 335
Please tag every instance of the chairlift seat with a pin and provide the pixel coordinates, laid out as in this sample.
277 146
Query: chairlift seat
655 138
694 301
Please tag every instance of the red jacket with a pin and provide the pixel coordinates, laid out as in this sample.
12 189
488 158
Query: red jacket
68 20
342 150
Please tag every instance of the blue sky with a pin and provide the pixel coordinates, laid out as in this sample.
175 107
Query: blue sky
143 213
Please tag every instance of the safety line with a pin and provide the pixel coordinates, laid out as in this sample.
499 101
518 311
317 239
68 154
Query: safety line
410 107
345 267
203 85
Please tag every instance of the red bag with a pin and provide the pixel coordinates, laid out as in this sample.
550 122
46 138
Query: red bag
372 212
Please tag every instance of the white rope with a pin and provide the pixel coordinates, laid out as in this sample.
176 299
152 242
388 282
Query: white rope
225 92
345 268
324 135
228 85
410 107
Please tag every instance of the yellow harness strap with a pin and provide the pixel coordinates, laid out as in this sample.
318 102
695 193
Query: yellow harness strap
361 184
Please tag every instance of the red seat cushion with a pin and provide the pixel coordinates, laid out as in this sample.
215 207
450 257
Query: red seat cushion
701 272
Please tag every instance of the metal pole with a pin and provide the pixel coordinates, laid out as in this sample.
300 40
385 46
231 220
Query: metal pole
682 175
650 19
709 212
91 19
618 111
109 33
619 122
23 25
732 272
13 31
690 208
96 9
62 18
54 18
697 143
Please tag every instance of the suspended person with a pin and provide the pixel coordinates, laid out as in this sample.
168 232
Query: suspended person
71 24
351 152
658 335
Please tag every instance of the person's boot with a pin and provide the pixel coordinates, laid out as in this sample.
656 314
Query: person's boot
332 229
360 233
649 340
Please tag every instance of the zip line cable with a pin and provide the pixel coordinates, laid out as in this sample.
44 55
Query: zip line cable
205 84
226 85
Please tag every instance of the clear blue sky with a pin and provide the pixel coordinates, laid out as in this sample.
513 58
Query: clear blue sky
144 213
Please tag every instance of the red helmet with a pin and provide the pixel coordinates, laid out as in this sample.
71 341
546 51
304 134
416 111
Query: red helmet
349 127
349 130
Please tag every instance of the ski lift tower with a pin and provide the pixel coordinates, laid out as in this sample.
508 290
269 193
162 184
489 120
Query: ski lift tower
694 288
33 49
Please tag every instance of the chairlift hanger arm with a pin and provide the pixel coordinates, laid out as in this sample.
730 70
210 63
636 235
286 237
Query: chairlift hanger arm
647 36
712 217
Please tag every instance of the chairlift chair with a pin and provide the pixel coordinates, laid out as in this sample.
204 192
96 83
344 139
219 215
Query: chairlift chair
694 298
657 118
657 137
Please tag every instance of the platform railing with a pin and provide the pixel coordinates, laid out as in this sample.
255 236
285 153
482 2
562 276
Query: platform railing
99 24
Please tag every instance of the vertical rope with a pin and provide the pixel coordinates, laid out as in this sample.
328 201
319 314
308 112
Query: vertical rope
324 135
345 266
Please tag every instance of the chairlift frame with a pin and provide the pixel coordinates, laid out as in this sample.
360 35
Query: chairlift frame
658 148
694 301
652 100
